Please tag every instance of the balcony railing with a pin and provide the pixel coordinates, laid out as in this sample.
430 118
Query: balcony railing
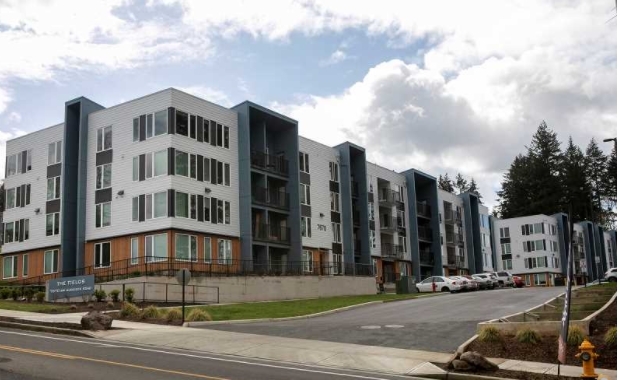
456 260
270 163
450 238
427 257
389 223
392 251
389 197
449 215
272 233
425 233
424 209
271 197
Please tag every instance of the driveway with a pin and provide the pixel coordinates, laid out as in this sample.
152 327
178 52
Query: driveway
437 324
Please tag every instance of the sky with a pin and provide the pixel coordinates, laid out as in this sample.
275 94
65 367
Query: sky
440 86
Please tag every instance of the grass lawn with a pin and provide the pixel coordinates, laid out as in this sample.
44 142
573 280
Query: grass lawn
32 307
281 309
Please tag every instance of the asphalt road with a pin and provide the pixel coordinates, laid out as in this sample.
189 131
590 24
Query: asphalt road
26 355
438 324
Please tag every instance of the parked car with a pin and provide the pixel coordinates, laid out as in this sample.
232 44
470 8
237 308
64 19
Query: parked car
442 284
470 283
611 275
518 281
461 281
504 278
483 283
489 276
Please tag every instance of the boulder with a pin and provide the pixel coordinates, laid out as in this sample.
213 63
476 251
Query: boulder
477 360
454 356
96 320
461 365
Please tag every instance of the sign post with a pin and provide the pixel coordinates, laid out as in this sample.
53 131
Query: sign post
567 298
183 277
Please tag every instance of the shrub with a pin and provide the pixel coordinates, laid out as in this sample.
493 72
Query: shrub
575 336
129 292
15 294
90 306
129 310
110 305
610 337
5 293
40 296
29 294
73 307
150 312
135 274
528 335
100 295
490 334
114 295
173 314
198 315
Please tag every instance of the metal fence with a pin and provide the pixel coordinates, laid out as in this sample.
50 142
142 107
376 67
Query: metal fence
165 292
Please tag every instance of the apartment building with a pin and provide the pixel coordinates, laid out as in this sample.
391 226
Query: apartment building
453 239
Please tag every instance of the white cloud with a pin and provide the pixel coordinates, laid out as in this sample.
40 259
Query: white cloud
14 117
210 94
336 57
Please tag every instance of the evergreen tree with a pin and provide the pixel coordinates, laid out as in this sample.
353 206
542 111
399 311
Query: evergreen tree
461 183
611 189
445 183
596 171
473 188
576 190
515 196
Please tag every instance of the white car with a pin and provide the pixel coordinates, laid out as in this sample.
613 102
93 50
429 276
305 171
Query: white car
489 276
466 283
611 275
504 278
441 284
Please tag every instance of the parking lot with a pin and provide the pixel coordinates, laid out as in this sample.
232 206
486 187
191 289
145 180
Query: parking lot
438 323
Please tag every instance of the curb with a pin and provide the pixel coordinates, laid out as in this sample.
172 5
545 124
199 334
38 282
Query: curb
49 329
461 376
596 313
464 346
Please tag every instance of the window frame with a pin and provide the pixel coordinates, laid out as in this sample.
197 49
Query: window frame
304 162
336 232
100 177
134 255
306 226
100 246
227 245
204 250
100 214
13 267
152 258
55 223
191 258
334 174
57 188
304 191
57 152
25 265
307 263
55 257
101 138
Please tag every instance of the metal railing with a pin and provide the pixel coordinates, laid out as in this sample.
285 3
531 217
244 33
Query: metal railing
271 233
388 223
393 251
425 233
145 291
270 163
423 209
389 196
271 197
456 260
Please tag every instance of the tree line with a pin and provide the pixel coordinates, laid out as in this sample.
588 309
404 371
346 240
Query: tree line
460 183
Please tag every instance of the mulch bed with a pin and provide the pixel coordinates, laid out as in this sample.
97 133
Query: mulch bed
547 350
502 373
85 307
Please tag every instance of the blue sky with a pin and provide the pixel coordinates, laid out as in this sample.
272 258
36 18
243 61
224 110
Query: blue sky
440 86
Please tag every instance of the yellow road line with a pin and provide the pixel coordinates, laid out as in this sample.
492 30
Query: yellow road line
71 357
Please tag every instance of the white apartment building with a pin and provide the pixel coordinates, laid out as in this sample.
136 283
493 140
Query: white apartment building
453 239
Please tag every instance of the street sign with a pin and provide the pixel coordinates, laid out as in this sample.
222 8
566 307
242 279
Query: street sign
183 276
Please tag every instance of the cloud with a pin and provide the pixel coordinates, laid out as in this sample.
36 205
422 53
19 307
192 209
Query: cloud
336 57
209 94
14 117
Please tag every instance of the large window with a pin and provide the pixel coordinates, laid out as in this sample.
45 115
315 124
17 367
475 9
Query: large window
104 138
25 265
206 204
160 126
333 172
540 279
11 165
104 176
50 261
306 258
181 163
337 234
14 163
9 267
506 249
182 121
208 257
335 201
181 205
53 188
103 214
54 153
157 164
156 247
185 248
156 205
9 198
304 194
304 162
103 254
52 224
224 251
504 232
134 251
135 209
507 264
306 227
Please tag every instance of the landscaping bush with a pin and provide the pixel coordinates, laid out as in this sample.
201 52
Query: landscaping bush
73 307
528 335
29 294
198 315
490 334
40 296
110 305
5 293
15 294
575 336
610 337
150 312
114 295
100 295
135 274
129 292
129 310
90 306
173 314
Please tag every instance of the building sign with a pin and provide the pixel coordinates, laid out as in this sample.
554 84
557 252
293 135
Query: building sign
67 287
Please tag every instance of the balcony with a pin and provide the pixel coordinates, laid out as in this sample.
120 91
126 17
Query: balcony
270 197
388 223
270 163
424 210
271 233
455 260
355 189
392 251
388 198
427 257
450 238
425 234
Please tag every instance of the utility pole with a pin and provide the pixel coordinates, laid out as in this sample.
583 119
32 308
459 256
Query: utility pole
615 140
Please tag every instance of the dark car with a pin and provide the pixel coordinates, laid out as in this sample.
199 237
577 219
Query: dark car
518 281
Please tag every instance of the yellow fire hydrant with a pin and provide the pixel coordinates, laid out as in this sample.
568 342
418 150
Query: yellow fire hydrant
587 357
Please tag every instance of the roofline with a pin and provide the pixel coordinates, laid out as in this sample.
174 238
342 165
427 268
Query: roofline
266 110
33 132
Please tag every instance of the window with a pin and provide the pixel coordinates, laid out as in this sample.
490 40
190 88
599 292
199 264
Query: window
507 264
306 227
333 172
527 229
402 241
226 137
53 188
335 201
10 198
160 163
375 272
504 232
135 209
205 130
220 173
506 249
136 129
182 205
207 209
371 211
26 229
224 251
104 138
103 214
306 258
9 265
336 231
136 168
207 250
553 230
134 251
400 218
192 206
182 123
192 127
541 262
52 224
539 245
25 265
181 163
304 163
206 170
103 254
373 239
156 205
219 135
540 279
226 174
9 232
161 123
556 262
213 133
538 228
226 212
156 247
11 165
50 261
220 211
54 153
185 248
192 166
104 176
304 194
